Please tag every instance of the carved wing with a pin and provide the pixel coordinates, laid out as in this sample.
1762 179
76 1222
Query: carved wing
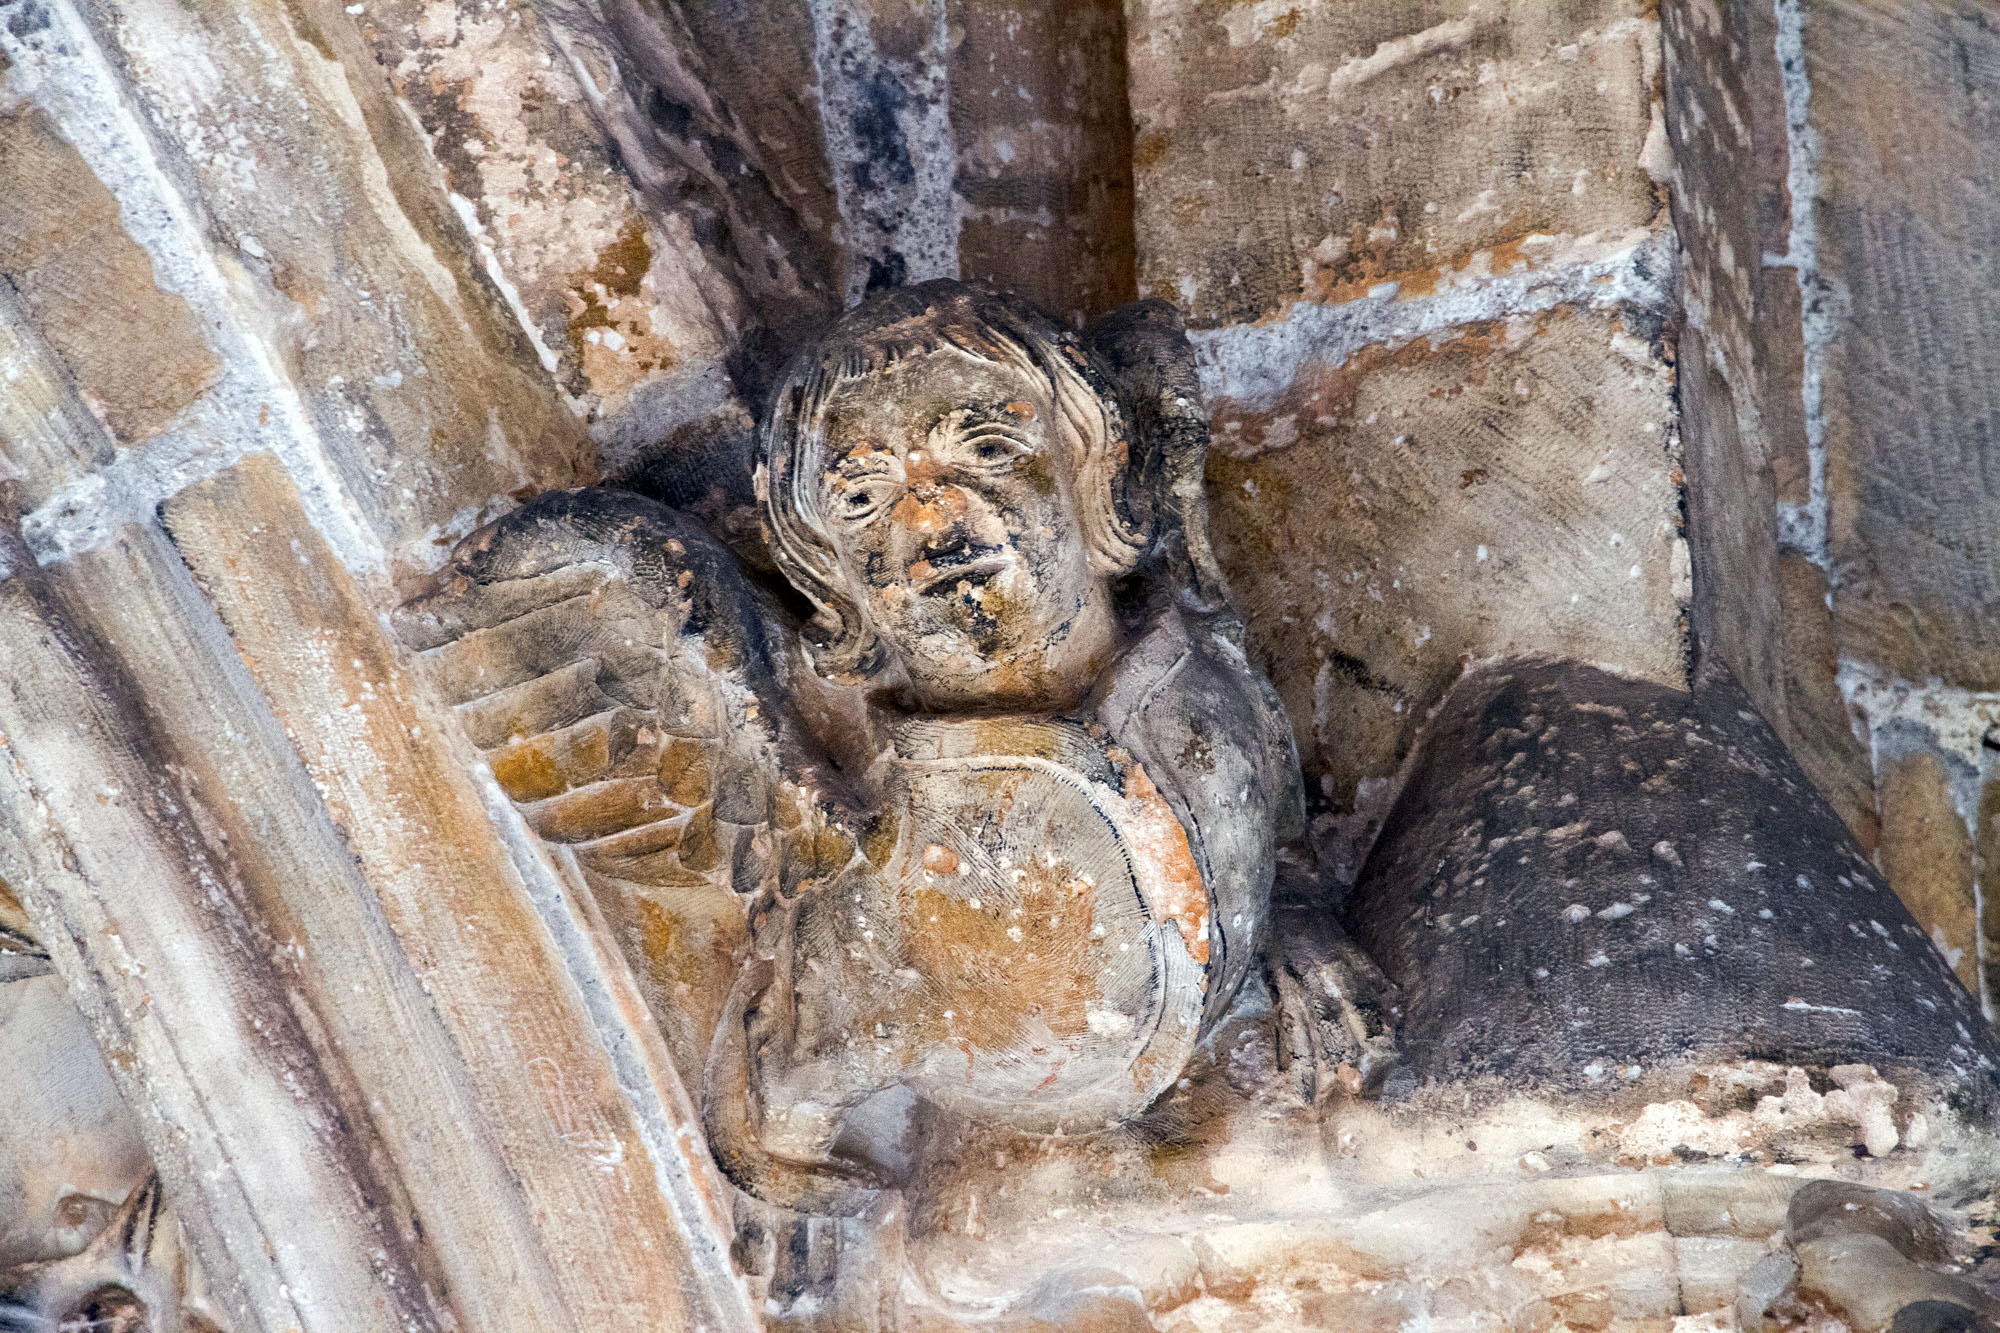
612 663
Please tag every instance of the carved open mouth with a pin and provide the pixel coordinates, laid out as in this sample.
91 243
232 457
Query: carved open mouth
977 568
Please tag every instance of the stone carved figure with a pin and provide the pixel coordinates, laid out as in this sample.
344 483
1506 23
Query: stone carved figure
979 805
86 1238
963 795
996 822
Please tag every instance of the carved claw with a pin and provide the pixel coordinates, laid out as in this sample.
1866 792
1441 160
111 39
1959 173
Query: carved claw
732 1113
1866 1252
1339 1009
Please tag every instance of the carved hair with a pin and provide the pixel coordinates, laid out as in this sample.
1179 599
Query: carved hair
983 322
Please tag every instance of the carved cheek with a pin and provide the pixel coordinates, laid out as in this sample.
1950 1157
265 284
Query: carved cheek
1039 475
1026 515
875 566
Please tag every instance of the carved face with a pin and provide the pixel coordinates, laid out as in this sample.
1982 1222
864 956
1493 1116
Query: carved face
953 512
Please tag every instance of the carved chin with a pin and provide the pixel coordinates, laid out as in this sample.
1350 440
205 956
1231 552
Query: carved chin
985 626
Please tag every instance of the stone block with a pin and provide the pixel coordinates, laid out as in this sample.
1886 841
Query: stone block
136 353
1510 487
1761 594
1905 103
1044 177
1744 429
633 309
280 190
1815 720
1926 851
1311 149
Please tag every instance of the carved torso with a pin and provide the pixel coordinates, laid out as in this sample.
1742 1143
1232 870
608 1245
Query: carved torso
1055 910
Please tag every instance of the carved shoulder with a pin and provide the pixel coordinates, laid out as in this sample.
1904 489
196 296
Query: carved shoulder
1208 728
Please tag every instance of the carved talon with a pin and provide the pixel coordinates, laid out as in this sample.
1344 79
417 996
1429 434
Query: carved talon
1866 1252
732 1115
1338 1005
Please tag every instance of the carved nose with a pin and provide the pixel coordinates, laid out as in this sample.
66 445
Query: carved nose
932 512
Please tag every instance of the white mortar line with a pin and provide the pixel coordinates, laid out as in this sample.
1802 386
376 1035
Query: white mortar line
1897 716
256 405
919 218
1254 364
489 256
1803 528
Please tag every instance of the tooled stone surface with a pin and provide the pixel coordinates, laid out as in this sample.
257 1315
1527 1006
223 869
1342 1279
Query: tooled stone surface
897 908
1311 151
1587 872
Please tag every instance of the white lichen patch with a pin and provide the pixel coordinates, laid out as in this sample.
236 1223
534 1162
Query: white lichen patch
1861 1102
614 296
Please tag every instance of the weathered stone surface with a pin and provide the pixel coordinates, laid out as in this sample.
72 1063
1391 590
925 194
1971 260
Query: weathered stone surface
572 1083
1044 138
884 141
1835 399
632 309
1814 719
1905 101
1926 852
281 192
1740 354
61 1115
1649 875
1509 487
716 111
136 353
1301 149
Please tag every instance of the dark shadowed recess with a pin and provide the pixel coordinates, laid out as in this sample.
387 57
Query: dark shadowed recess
725 115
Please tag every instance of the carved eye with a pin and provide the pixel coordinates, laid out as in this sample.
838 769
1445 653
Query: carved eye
861 499
992 449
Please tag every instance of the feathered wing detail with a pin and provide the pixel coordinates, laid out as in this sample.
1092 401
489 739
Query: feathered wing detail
615 667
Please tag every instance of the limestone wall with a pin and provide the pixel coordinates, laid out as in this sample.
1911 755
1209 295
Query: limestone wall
1432 268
